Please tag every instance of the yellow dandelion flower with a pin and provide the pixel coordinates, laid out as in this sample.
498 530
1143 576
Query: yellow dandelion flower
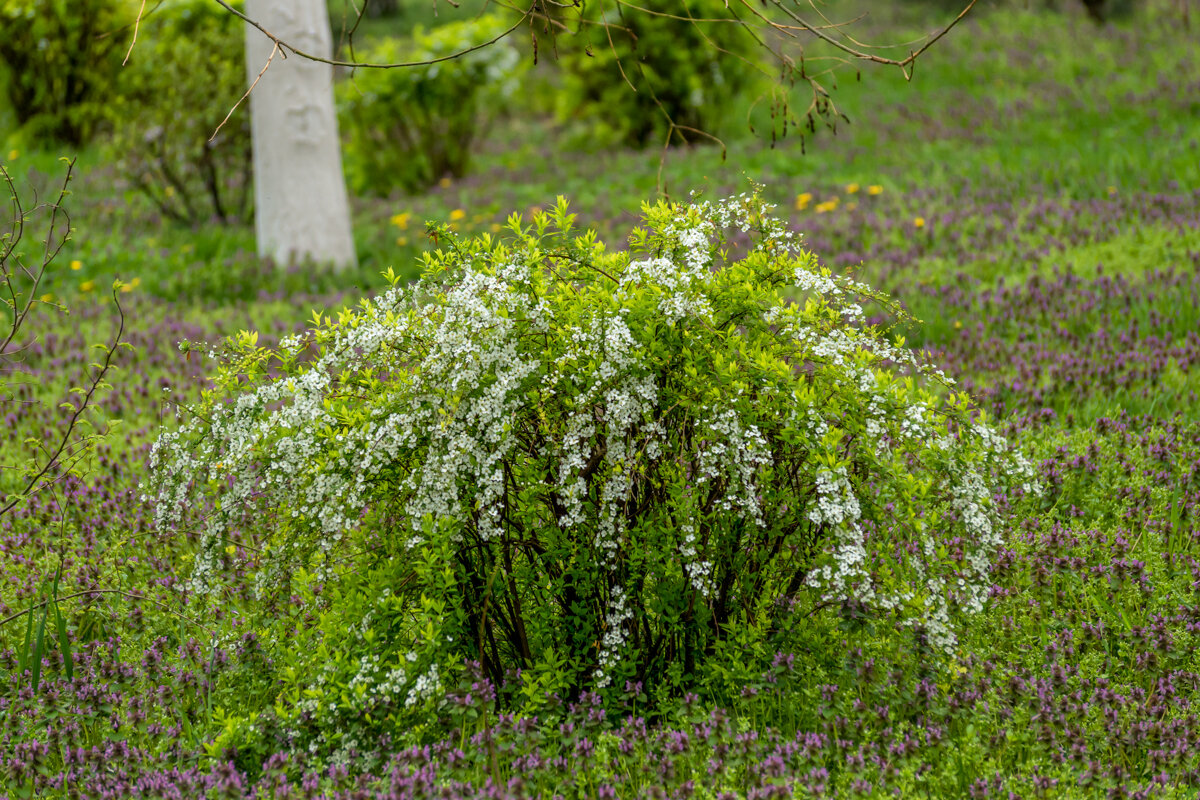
136 282
77 265
919 222
958 323
401 220
457 214
126 288
851 188
828 205
875 188
802 200
12 155
444 183
402 240
87 286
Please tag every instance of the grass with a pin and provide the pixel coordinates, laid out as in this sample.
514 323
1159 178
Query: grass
1056 268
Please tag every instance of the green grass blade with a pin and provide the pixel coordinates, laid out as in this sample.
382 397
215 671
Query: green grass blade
64 644
23 656
37 647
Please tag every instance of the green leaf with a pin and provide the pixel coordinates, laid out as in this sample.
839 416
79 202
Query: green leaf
64 643
23 655
36 666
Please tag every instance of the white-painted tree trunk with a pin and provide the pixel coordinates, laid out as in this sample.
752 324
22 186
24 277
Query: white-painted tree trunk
300 205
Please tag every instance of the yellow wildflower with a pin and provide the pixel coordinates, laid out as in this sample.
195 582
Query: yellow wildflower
444 183
1112 190
875 188
919 222
402 240
12 155
87 286
401 220
496 227
802 200
828 205
851 206
457 214
77 264
851 188
48 298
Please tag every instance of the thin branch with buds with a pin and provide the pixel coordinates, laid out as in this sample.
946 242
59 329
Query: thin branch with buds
63 454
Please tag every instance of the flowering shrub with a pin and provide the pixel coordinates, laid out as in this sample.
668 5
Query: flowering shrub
412 126
593 466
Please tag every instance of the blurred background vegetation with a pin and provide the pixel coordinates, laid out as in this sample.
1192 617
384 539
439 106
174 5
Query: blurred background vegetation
539 114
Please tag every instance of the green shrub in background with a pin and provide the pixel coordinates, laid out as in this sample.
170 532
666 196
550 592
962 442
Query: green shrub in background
1099 10
185 74
628 70
595 467
62 58
411 126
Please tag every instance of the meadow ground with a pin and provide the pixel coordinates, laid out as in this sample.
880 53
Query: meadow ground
1032 196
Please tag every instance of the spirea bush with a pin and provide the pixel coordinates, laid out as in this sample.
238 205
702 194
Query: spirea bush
630 71
410 127
165 116
594 467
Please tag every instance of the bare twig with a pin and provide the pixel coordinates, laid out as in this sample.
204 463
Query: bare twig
121 592
287 48
242 99
137 24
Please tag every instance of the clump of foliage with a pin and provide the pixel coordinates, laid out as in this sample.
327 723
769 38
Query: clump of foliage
593 467
165 118
631 73
410 127
62 58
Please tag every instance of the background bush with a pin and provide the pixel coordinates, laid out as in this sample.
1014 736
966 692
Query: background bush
409 127
164 116
62 58
628 70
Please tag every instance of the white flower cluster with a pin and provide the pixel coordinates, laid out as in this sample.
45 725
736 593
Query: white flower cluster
730 449
613 640
683 277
